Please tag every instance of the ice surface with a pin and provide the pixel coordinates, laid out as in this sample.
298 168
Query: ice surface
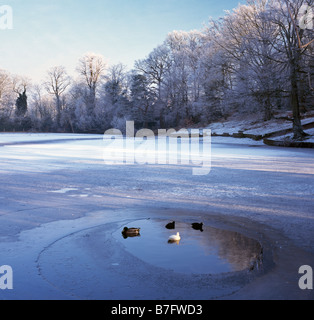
50 191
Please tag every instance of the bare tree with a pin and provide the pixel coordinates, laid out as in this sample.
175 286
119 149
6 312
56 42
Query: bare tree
268 48
294 45
4 82
57 83
115 83
155 67
91 67
6 94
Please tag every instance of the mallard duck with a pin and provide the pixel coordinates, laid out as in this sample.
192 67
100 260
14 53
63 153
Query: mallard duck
171 225
131 232
175 237
198 226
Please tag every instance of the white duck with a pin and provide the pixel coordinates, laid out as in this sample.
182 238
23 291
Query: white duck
175 237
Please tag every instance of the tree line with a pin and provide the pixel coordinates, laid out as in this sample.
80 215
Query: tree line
257 58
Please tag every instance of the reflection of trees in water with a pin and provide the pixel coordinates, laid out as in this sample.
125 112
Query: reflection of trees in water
237 250
234 247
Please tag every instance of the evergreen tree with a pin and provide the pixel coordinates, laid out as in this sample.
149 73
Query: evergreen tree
21 104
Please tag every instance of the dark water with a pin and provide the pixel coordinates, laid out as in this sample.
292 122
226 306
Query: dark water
212 251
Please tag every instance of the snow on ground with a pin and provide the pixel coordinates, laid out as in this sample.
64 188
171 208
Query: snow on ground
253 125
51 191
235 126
289 137
311 133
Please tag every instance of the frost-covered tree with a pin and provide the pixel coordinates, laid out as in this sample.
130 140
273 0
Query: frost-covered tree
155 68
41 109
56 84
115 84
77 111
7 100
296 38
257 58
5 88
244 37
185 78
114 97
267 52
91 67
142 99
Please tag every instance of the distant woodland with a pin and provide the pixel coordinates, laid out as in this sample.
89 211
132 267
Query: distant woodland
257 59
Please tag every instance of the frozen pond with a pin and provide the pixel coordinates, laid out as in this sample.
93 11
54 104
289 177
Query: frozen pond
63 207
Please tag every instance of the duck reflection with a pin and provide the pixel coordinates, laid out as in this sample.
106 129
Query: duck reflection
174 242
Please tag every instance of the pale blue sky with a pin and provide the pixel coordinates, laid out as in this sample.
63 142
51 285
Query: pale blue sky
49 33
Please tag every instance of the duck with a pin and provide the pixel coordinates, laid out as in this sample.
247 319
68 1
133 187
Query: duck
198 226
171 225
175 237
131 232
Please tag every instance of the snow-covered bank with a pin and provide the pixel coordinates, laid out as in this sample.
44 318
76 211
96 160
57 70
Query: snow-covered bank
279 129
